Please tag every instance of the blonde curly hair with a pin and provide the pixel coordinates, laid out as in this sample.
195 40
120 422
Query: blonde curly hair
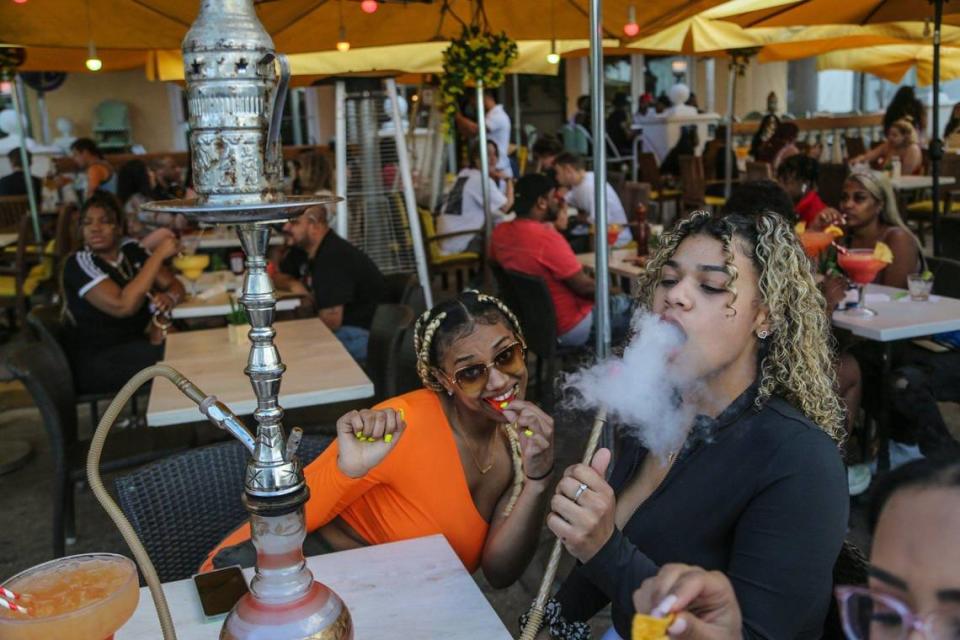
796 361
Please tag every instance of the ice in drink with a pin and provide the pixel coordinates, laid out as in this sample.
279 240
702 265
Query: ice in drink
83 597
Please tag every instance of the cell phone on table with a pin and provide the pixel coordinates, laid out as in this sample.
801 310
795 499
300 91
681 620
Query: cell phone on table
220 589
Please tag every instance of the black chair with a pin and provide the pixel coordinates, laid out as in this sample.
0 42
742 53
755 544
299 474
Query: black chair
389 323
182 507
405 376
530 300
397 285
946 276
44 321
39 367
413 297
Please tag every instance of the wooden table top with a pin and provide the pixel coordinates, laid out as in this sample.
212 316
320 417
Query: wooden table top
213 296
414 589
617 262
319 371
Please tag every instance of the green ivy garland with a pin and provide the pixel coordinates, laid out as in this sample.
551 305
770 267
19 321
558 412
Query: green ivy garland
475 55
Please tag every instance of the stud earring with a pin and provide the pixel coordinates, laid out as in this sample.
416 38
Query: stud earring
762 334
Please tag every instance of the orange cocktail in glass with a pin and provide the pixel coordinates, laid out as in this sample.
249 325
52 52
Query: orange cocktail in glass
613 232
862 267
814 242
83 597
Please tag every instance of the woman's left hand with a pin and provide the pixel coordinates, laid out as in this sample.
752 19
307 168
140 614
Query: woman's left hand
584 522
163 302
535 431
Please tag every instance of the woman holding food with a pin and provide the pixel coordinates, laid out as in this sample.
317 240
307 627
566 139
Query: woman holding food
757 491
466 457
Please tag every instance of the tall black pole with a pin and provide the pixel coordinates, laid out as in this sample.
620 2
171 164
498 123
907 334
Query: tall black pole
936 144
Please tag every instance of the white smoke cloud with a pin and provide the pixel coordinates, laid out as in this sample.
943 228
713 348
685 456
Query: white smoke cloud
641 390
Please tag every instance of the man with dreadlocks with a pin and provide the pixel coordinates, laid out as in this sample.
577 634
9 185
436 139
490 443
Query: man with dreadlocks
466 457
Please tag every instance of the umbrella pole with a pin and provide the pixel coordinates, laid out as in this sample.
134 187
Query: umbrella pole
484 173
601 307
728 155
25 161
936 144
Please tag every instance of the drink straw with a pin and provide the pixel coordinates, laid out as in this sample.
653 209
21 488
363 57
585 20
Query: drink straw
10 595
839 248
13 606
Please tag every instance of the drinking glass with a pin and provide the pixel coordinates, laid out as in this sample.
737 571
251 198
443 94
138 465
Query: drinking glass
861 268
919 287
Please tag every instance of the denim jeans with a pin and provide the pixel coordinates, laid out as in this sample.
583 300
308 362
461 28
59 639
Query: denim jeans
354 340
621 310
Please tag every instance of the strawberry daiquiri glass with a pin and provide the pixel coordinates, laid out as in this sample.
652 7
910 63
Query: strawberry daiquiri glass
862 268
82 597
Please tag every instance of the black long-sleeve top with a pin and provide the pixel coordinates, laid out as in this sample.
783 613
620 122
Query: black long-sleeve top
759 494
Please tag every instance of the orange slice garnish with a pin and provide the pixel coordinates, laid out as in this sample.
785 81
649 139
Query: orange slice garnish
650 628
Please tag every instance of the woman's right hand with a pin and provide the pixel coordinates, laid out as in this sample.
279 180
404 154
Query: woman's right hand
704 602
827 217
168 247
357 457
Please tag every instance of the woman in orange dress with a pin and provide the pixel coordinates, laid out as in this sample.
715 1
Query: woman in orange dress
467 457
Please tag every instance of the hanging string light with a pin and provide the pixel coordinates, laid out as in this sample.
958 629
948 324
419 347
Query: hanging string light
631 29
369 6
343 45
553 57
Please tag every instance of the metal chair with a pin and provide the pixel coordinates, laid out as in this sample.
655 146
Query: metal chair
183 506
576 139
459 264
649 172
386 330
111 125
40 368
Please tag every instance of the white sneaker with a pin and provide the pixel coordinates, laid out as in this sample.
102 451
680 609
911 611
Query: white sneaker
858 478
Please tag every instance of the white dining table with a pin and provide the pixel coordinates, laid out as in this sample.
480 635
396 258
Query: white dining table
213 296
319 371
7 239
898 318
414 589
912 183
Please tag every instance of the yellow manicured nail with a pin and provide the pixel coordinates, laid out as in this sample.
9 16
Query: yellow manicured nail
528 433
388 437
371 439
358 434
400 413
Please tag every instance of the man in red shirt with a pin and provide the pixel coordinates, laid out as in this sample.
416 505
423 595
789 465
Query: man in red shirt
531 245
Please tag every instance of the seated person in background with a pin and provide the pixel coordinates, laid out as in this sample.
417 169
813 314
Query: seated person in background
757 489
136 185
169 179
529 246
98 174
686 146
572 174
868 215
755 197
463 208
913 571
798 175
345 284
545 151
901 142
618 124
112 289
441 459
783 145
15 183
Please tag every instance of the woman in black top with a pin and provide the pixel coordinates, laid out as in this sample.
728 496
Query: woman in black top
758 490
112 288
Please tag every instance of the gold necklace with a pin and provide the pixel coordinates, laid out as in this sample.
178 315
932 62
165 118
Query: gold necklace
476 461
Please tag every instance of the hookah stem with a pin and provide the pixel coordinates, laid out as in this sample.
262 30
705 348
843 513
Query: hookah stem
535 619
96 483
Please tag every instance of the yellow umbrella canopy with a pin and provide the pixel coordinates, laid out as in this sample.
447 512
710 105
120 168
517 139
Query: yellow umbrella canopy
892 62
814 12
426 57
816 40
301 26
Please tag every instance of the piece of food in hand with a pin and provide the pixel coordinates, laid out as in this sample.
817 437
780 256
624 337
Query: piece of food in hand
834 231
883 253
800 227
649 628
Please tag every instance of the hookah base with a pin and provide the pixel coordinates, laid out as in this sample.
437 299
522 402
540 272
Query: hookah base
319 615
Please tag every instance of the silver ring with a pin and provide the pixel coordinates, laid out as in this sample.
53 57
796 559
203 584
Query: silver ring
580 490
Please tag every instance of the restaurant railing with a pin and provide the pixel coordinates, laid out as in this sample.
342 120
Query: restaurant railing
823 129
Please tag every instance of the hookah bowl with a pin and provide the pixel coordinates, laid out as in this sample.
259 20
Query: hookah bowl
235 98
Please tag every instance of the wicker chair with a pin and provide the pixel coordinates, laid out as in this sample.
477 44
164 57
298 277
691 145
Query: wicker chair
649 172
462 265
39 367
183 506
22 270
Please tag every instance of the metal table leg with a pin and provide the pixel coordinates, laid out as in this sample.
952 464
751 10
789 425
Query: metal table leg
883 431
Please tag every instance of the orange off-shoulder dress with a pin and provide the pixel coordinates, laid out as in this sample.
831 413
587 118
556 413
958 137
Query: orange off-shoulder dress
419 488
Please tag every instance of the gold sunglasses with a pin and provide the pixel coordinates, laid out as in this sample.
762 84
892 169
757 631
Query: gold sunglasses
472 379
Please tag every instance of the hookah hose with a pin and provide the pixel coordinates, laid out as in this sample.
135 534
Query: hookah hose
96 483
535 619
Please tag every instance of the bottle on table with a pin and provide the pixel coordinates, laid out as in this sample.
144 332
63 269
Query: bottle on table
642 233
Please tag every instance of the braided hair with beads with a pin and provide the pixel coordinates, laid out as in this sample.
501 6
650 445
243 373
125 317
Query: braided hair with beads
438 327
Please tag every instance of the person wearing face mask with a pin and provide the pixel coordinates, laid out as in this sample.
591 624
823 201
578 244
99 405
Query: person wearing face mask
758 490
466 457
868 214
901 143
913 590
531 245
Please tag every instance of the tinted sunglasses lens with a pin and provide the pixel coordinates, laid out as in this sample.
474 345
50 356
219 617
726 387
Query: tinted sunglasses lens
472 379
510 360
